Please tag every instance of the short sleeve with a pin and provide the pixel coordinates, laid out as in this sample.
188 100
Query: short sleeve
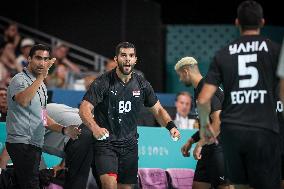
17 84
150 96
216 104
214 73
95 94
196 136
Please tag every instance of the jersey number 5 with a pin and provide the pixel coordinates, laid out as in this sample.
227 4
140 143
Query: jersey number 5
244 69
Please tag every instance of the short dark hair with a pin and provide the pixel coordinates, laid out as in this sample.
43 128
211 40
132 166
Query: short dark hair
250 14
39 47
124 45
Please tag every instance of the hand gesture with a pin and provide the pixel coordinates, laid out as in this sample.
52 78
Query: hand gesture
72 131
100 133
185 149
48 64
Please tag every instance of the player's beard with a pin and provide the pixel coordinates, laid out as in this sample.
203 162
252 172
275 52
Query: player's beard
124 71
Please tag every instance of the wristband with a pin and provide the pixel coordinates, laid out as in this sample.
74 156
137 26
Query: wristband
171 125
62 131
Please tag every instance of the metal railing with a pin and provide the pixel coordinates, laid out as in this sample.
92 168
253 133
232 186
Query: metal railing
81 56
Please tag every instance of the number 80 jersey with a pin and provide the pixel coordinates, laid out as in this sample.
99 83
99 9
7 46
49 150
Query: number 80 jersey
117 104
247 70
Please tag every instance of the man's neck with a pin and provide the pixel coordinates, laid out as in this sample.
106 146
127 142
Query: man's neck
30 72
196 79
124 78
250 32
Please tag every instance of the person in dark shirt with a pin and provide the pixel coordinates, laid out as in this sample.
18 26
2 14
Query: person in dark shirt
246 68
210 169
116 98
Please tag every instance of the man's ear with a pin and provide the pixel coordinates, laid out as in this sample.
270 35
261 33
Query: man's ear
136 60
262 22
237 22
29 59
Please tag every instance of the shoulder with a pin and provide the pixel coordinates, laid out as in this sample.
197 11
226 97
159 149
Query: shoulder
103 79
18 78
272 45
141 80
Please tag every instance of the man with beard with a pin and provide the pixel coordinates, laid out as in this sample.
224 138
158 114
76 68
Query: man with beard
116 98
210 168
27 118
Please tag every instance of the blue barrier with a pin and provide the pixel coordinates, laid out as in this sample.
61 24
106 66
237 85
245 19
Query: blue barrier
2 135
69 97
155 149
73 98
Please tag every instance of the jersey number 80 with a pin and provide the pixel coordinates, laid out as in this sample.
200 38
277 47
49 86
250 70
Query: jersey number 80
124 106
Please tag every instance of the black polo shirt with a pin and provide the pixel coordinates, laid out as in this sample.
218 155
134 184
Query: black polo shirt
117 104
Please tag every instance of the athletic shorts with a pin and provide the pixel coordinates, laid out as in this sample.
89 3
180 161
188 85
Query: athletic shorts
252 156
211 168
123 161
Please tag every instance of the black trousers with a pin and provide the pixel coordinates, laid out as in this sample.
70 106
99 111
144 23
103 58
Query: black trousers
78 160
26 160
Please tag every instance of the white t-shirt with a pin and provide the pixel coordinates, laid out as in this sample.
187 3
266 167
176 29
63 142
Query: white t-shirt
184 122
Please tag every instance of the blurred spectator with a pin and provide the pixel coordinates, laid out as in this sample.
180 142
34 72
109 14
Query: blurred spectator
25 47
183 108
88 80
60 52
58 77
4 75
110 64
8 63
12 35
3 104
63 70
84 83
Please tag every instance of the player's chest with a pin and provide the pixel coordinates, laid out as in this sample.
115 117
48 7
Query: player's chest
125 93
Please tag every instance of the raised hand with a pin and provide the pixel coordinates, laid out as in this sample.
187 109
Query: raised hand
46 67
